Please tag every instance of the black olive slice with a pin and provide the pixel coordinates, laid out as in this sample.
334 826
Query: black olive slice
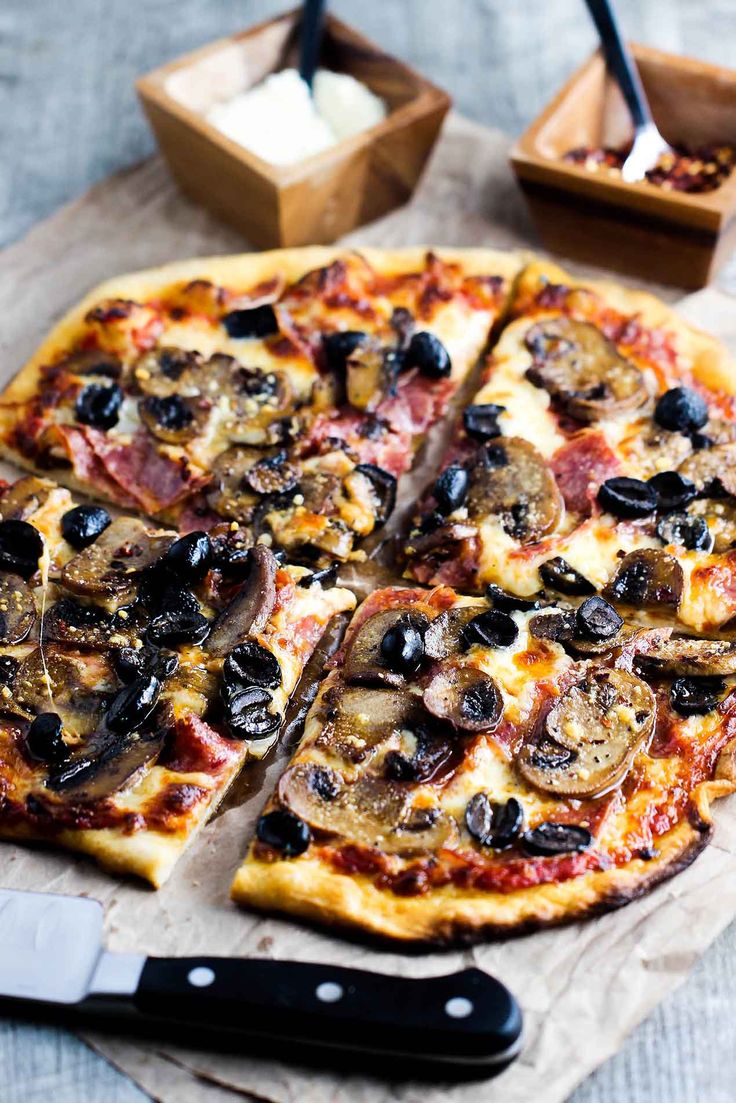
686 530
451 487
681 410
173 418
77 687
696 696
372 483
247 712
109 762
426 352
444 637
173 628
625 497
8 670
673 490
44 739
325 577
719 516
590 736
559 575
491 628
371 811
130 662
481 421
684 655
549 840
360 719
373 659
23 497
81 626
21 547
17 609
117 558
285 832
648 577
340 345
512 481
465 697
81 525
596 619
509 603
582 370
713 471
98 405
493 823
249 611
257 321
271 475
131 707
188 558
251 664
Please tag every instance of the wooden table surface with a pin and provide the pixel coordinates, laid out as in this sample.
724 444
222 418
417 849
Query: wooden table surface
68 117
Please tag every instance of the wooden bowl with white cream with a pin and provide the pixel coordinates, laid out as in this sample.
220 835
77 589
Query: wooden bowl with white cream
242 136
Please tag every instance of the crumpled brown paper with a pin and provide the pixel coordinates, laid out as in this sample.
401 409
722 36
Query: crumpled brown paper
582 988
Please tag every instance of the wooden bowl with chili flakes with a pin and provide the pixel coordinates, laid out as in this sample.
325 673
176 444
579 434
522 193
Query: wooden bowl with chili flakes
678 226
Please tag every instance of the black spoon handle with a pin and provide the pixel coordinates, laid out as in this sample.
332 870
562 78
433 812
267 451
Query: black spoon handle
619 60
311 38
467 1019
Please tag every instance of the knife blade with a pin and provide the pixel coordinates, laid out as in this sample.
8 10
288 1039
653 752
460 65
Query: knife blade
52 956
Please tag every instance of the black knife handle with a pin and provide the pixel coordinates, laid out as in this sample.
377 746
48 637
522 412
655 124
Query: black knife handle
466 1018
619 60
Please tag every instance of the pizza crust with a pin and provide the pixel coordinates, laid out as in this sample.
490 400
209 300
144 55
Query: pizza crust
311 889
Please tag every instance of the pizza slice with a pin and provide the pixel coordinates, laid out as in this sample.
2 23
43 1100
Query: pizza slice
599 456
284 391
468 770
139 671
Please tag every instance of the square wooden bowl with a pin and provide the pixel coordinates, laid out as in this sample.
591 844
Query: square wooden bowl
322 197
639 229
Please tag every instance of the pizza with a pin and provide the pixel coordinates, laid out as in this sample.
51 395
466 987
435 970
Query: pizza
529 714
599 456
286 392
476 767
139 672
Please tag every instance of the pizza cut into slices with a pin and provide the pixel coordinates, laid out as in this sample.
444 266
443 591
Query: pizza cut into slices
285 392
599 456
139 671
467 771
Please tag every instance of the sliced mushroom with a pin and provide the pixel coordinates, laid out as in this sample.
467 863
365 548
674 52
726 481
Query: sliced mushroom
103 765
512 481
258 401
23 497
359 719
370 372
466 697
582 370
303 533
370 811
88 626
653 449
590 737
441 538
679 655
647 577
169 371
720 515
271 475
713 470
117 558
365 663
249 611
91 362
175 419
229 493
76 687
444 635
17 609
421 755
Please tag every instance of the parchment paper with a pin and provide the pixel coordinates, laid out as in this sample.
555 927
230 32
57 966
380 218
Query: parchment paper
582 988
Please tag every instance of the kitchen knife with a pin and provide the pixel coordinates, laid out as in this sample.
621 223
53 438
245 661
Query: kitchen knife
51 954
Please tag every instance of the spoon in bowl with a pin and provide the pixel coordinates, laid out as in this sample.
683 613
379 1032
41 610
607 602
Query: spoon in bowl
648 145
310 39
